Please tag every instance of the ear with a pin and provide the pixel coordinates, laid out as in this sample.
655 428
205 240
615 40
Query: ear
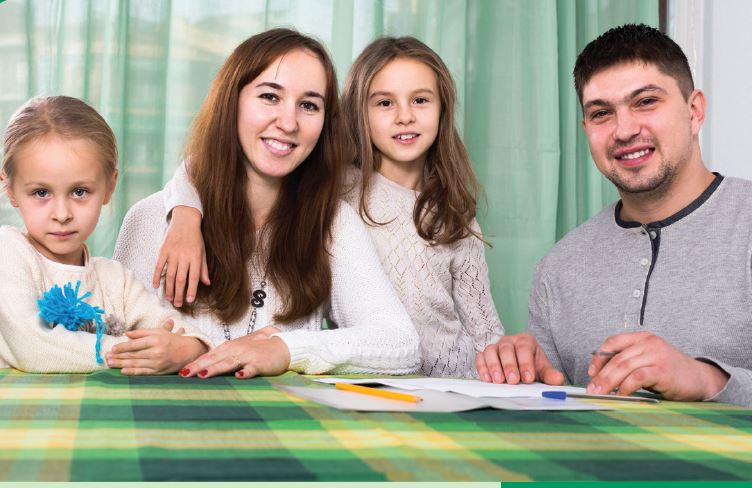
5 181
110 187
696 110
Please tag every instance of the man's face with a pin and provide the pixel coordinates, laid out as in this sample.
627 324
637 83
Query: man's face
641 131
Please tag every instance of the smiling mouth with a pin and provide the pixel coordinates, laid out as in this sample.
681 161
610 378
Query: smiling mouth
278 147
407 138
635 155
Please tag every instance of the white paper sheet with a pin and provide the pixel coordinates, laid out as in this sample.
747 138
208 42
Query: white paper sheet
472 388
433 401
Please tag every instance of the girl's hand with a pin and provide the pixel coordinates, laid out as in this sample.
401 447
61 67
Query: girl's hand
247 356
183 256
155 351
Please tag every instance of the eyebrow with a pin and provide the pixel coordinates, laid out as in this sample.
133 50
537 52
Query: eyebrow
75 184
388 94
634 94
277 86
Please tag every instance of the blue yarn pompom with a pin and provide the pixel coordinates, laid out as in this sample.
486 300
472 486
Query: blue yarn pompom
64 307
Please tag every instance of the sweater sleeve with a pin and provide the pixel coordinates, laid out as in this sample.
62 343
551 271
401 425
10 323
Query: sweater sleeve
471 293
140 237
180 191
136 252
375 333
738 389
539 320
144 310
27 342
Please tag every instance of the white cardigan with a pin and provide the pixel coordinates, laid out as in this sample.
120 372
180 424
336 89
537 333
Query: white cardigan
374 333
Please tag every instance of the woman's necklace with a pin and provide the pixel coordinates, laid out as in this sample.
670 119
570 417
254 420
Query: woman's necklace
256 302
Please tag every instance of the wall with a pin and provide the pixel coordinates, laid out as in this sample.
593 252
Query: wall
718 43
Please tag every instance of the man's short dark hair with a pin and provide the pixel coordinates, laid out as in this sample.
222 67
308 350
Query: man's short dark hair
633 42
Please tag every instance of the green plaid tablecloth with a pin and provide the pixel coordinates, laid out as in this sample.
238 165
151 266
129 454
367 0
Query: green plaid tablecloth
105 426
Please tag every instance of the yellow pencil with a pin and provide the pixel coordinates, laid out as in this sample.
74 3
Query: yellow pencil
379 393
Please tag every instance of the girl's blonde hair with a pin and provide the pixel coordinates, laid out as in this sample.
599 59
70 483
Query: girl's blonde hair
445 208
67 117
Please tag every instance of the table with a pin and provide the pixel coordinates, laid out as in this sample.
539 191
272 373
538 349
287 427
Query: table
108 427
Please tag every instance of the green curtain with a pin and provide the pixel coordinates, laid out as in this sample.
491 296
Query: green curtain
146 66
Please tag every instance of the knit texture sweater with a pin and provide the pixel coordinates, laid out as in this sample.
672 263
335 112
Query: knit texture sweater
687 279
373 332
445 288
30 344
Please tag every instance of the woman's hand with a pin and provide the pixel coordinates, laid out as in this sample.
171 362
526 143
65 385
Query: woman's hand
182 257
247 356
154 351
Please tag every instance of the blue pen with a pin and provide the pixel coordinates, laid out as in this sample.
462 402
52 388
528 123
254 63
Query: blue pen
555 395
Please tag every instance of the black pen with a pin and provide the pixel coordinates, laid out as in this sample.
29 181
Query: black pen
605 354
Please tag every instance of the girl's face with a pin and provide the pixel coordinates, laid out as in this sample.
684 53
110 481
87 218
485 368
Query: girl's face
281 114
59 186
403 113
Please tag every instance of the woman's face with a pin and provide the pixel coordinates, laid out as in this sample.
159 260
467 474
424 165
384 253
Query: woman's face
280 116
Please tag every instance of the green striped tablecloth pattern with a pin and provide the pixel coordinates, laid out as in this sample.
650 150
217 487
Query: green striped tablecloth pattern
108 427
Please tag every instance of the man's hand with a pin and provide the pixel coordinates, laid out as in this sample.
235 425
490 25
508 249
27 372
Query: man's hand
514 358
182 257
644 360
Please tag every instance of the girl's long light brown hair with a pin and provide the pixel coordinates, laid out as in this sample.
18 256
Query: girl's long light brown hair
298 230
445 208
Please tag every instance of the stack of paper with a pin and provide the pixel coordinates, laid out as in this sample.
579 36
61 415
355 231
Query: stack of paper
443 395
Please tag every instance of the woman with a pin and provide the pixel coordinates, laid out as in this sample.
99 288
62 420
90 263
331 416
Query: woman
283 252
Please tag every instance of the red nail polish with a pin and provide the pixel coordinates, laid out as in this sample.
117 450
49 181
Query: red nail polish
185 372
203 373
240 374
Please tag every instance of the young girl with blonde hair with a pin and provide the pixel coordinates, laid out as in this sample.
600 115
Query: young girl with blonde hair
62 310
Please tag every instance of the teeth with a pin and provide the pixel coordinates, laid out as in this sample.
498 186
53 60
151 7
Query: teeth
280 146
406 137
635 155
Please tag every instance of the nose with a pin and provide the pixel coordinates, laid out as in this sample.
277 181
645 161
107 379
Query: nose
627 126
62 212
404 114
287 118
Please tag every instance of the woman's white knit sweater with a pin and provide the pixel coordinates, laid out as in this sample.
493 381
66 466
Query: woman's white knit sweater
30 344
445 289
374 333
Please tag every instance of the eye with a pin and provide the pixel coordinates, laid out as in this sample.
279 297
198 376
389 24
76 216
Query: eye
80 192
309 106
598 115
384 103
646 102
421 100
41 193
270 97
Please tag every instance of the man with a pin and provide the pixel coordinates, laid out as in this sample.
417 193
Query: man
655 291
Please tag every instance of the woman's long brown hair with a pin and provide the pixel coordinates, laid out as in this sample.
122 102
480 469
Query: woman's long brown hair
445 209
298 230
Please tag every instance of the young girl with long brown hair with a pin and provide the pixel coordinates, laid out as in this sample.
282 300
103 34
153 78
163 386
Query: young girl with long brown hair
265 157
415 188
